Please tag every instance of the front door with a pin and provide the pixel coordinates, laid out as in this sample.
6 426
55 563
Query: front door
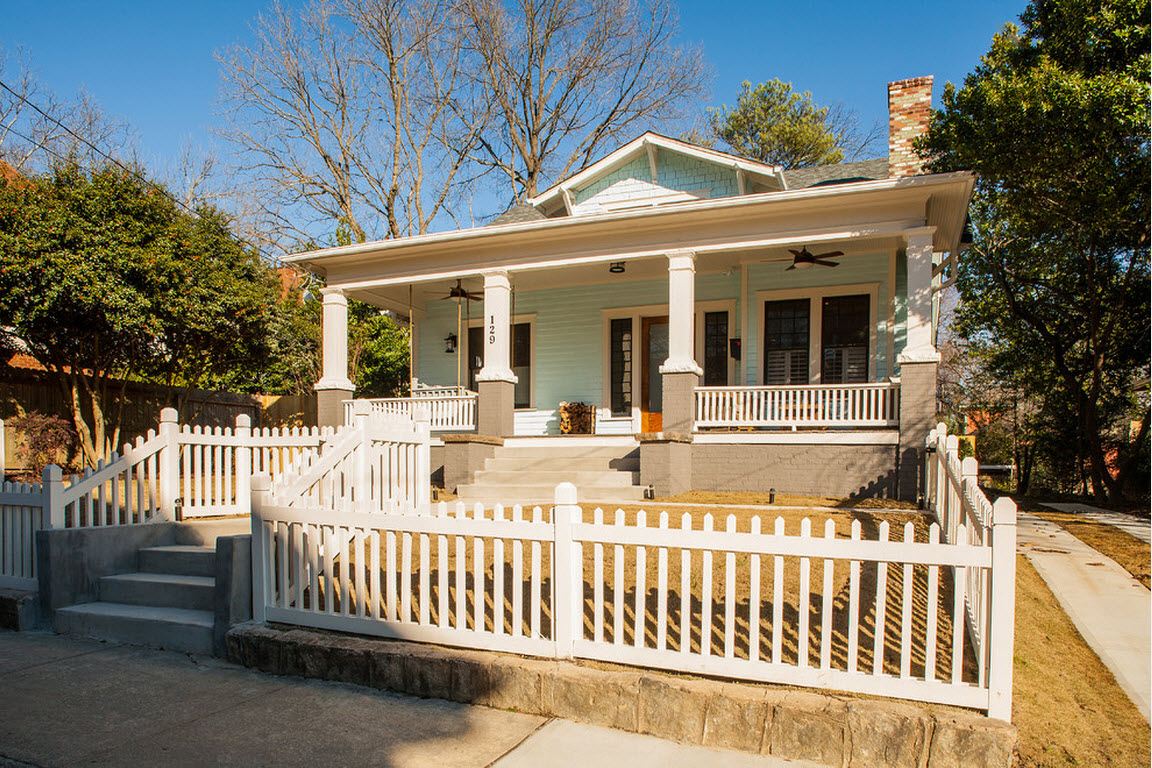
654 351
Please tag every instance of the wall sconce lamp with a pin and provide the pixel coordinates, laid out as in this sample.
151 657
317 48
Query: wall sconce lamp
616 268
450 343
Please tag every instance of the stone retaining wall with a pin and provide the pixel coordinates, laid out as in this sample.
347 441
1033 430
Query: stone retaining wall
790 724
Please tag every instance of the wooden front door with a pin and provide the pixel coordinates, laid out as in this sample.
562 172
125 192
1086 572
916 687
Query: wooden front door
653 351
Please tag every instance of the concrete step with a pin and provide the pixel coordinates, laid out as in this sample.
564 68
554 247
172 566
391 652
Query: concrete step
528 493
601 478
181 559
567 451
173 629
502 463
159 589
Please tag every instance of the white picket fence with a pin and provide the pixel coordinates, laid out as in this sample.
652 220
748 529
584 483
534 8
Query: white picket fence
856 613
835 405
178 472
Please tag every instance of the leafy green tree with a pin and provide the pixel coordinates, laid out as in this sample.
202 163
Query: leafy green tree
103 279
773 124
1055 123
378 352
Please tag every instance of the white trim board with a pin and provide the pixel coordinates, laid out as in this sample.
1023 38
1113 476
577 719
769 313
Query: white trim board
845 437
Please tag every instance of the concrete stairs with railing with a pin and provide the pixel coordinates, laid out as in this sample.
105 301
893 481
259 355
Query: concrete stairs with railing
529 474
167 603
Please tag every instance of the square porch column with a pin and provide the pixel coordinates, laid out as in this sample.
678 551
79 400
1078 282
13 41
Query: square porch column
334 386
496 406
681 375
918 364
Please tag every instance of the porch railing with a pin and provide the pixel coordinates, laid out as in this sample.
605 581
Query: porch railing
832 405
447 412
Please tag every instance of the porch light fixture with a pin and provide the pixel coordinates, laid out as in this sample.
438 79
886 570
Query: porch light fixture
450 343
616 268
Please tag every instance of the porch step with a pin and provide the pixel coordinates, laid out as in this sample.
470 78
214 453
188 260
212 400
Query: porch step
181 559
159 589
581 478
562 451
546 494
174 629
502 463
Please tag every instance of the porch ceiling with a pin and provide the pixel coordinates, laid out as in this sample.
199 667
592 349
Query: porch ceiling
423 291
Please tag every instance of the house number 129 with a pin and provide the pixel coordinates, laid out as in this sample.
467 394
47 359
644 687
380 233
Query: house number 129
492 329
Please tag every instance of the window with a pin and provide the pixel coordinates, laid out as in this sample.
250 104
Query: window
620 363
844 339
715 349
786 341
521 360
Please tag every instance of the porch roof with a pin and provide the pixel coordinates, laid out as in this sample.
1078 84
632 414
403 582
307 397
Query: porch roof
765 224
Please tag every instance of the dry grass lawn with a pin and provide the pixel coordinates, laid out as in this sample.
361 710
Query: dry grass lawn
783 500
1066 704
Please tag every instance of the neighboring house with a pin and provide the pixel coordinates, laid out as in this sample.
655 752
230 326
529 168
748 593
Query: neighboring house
660 285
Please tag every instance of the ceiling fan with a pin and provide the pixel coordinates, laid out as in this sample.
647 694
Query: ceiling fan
458 292
803 259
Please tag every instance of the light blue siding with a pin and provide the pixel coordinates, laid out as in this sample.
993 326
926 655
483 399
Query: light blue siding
675 172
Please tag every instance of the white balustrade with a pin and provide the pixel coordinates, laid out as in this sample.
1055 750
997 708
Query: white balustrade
447 412
832 405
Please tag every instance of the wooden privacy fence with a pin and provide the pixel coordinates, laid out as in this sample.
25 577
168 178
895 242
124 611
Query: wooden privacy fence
830 405
874 611
178 472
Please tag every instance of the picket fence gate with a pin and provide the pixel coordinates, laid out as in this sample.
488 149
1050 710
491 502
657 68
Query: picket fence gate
876 615
177 472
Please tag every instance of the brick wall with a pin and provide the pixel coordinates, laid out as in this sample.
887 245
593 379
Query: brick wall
909 110
867 471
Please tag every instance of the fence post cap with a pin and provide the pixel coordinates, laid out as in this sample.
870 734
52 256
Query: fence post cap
952 443
243 421
941 428
168 415
361 407
261 481
969 467
565 493
1003 511
52 474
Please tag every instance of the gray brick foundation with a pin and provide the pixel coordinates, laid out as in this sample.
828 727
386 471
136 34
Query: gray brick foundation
867 471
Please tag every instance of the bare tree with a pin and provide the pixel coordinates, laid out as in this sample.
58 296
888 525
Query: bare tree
568 77
37 128
350 113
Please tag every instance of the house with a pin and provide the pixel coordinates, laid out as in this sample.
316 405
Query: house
734 325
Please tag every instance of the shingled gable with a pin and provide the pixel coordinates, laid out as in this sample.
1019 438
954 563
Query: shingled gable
654 170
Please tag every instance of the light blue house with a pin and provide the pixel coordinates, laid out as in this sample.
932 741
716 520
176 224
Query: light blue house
733 326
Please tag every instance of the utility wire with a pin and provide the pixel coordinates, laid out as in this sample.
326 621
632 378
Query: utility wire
136 174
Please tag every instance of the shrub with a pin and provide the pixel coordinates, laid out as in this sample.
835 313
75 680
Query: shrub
41 439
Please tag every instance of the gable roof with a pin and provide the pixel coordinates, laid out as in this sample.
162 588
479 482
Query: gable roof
558 196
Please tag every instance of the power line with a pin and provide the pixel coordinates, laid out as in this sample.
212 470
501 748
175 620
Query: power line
135 174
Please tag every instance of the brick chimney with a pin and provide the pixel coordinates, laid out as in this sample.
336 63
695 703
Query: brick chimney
909 109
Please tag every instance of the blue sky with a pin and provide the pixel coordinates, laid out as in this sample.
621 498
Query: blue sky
151 62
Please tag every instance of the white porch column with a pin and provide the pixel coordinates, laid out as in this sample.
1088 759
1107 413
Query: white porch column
920 347
681 314
334 386
917 366
497 329
495 412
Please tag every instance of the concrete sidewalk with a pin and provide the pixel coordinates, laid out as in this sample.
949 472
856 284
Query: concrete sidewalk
1141 529
1111 610
65 701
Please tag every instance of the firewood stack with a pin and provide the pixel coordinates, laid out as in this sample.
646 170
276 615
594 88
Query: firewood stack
576 418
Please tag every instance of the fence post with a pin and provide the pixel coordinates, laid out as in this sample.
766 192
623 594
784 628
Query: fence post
1002 609
243 434
169 463
52 489
261 497
362 483
941 487
565 579
930 470
422 415
969 483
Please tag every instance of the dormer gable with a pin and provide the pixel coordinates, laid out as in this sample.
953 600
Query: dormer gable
656 170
